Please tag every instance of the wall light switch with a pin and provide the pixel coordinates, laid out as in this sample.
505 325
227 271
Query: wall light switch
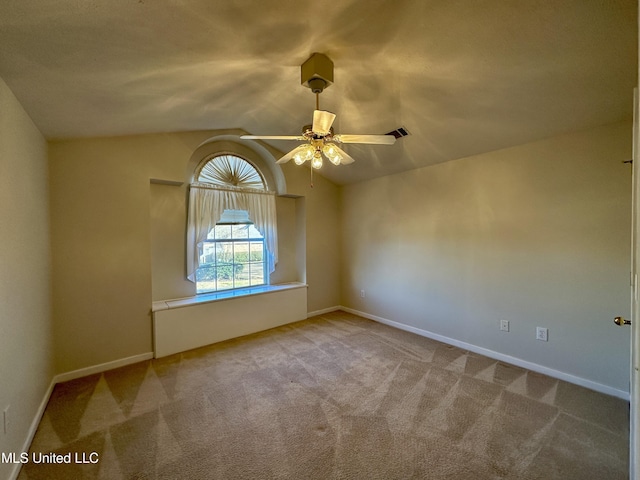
504 325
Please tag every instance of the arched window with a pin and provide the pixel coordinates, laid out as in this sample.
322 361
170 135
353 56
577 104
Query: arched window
231 171
231 233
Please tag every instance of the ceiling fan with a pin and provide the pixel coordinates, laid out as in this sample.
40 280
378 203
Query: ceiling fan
319 137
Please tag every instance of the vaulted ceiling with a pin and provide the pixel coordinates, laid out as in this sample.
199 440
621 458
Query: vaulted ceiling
464 77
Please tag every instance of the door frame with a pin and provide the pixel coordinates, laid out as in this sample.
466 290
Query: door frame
634 384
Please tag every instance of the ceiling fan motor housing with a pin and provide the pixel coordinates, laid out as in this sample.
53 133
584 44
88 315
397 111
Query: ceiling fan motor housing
307 130
317 72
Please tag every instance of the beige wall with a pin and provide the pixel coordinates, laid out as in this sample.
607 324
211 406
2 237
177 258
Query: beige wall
538 235
322 219
286 269
101 253
26 359
168 206
108 267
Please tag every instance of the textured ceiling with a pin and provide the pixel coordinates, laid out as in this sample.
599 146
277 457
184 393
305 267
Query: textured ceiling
464 77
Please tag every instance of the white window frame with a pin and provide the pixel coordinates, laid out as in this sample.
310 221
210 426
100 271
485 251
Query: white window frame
238 177
265 275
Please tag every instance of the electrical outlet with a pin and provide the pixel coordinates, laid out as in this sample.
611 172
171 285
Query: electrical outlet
504 325
362 294
5 419
542 334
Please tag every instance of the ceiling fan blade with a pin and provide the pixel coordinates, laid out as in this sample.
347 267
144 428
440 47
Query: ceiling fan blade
369 139
346 158
289 156
272 137
322 122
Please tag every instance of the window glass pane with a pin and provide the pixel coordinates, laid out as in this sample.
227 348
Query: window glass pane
239 231
225 277
223 231
257 273
206 279
241 252
230 259
208 254
242 276
224 264
257 250
224 252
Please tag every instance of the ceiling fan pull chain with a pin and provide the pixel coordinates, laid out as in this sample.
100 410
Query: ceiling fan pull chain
311 177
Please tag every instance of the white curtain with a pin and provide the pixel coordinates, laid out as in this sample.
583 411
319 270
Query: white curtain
206 204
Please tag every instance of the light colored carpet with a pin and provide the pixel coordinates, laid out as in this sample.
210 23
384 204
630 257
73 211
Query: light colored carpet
336 396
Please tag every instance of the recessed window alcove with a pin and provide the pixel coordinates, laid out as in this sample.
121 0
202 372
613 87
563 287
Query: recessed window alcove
183 319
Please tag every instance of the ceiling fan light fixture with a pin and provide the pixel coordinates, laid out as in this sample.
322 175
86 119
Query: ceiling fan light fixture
304 153
317 160
331 152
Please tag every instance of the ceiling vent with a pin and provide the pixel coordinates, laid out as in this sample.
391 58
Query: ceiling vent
399 133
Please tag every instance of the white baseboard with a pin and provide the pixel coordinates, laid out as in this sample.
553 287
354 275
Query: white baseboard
103 367
33 427
567 377
65 377
324 310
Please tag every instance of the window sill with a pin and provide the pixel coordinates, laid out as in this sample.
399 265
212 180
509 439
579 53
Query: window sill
226 295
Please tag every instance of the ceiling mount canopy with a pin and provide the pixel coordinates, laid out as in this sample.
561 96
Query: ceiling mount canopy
316 73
